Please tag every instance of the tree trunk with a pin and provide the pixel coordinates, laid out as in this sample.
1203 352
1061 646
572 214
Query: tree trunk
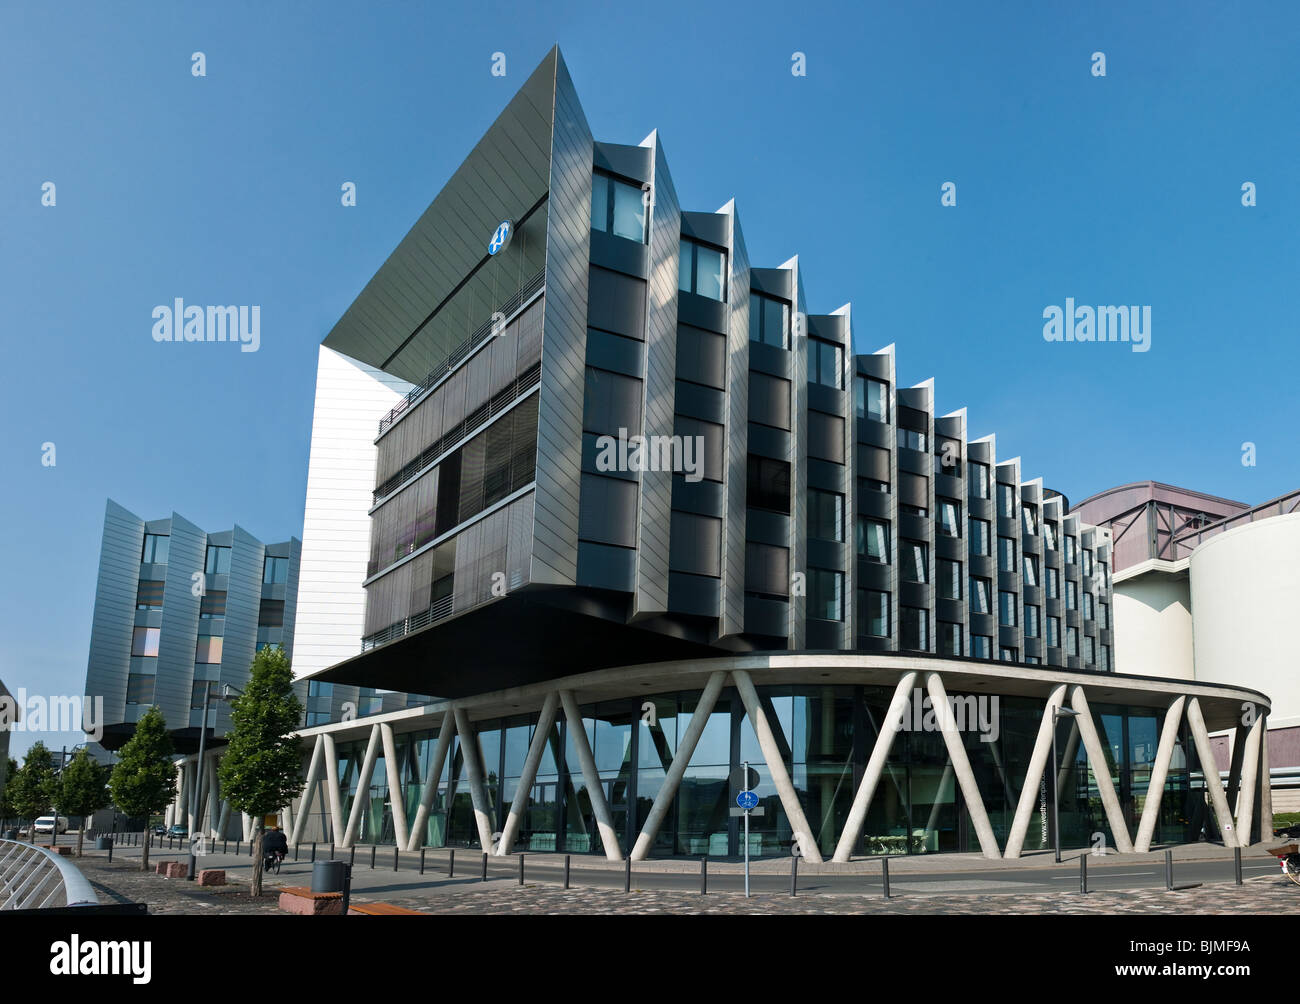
255 887
144 847
81 834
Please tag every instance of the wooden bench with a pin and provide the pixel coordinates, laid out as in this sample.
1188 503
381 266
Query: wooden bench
383 910
302 901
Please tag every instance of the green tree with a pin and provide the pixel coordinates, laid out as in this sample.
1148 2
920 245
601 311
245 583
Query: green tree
260 772
7 810
144 780
35 787
84 788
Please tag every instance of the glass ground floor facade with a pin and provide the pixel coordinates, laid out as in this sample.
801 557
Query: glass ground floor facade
826 734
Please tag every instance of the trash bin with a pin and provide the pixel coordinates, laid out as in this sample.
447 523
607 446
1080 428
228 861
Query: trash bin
11 833
103 843
328 876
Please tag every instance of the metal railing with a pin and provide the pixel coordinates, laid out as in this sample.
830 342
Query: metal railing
440 609
34 878
463 350
1188 540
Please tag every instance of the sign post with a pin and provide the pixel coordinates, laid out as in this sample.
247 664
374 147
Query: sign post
747 801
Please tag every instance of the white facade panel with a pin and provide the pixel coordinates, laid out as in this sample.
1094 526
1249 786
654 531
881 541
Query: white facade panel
351 397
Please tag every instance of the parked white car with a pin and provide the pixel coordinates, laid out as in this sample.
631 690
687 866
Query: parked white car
52 824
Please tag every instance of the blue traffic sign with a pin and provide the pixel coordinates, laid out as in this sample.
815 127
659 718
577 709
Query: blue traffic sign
501 237
747 800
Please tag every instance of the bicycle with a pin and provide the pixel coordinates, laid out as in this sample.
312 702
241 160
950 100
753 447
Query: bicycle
271 863
1289 858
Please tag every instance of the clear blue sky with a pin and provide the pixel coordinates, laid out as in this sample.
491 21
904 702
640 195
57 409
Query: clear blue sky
225 189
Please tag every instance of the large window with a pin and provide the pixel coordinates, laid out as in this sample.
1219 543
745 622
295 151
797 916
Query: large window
916 560
913 439
949 518
1071 595
139 688
978 476
1006 554
703 270
914 629
1071 549
218 560
618 208
949 573
1033 620
825 363
769 321
767 570
1071 640
825 437
275 570
695 544
149 595
1053 583
1088 611
825 515
208 649
144 642
271 613
1006 608
1051 532
1053 632
871 398
1029 519
213 604
1006 500
873 539
611 401
825 594
1031 569
949 638
767 484
981 646
1087 561
873 613
979 536
980 595
155 549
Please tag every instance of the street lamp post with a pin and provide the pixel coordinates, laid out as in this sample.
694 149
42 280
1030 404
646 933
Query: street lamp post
1056 795
197 799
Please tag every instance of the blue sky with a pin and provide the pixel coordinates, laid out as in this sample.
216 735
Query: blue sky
1123 189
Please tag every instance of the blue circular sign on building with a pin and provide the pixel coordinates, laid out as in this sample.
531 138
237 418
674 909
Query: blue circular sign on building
501 237
747 800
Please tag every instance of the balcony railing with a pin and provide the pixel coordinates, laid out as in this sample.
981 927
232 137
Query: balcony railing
35 878
1189 540
463 350
440 610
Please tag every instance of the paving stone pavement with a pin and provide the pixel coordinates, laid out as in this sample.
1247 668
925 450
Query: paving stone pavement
123 881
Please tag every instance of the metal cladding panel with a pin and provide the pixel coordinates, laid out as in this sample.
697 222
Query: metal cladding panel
798 459
564 342
109 664
654 516
502 178
243 603
291 595
732 611
180 623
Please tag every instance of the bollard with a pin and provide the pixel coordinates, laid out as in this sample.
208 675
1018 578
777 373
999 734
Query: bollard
396 851
192 869
566 871
223 846
1169 870
884 872
421 860
237 843
485 857
372 857
451 864
1083 873
521 869
1236 865
352 856
704 874
331 850
627 874
295 852
313 852
794 875
110 852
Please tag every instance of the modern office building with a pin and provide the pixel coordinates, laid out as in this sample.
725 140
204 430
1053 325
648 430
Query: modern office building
177 610
4 746
1204 590
638 515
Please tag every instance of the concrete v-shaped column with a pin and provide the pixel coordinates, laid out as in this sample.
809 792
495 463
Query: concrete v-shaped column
1100 771
889 728
776 766
545 722
1210 772
1249 775
965 776
308 789
1159 772
477 788
332 786
419 829
213 803
677 769
1265 786
1029 794
1066 765
225 819
1233 791
395 796
595 790
362 798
